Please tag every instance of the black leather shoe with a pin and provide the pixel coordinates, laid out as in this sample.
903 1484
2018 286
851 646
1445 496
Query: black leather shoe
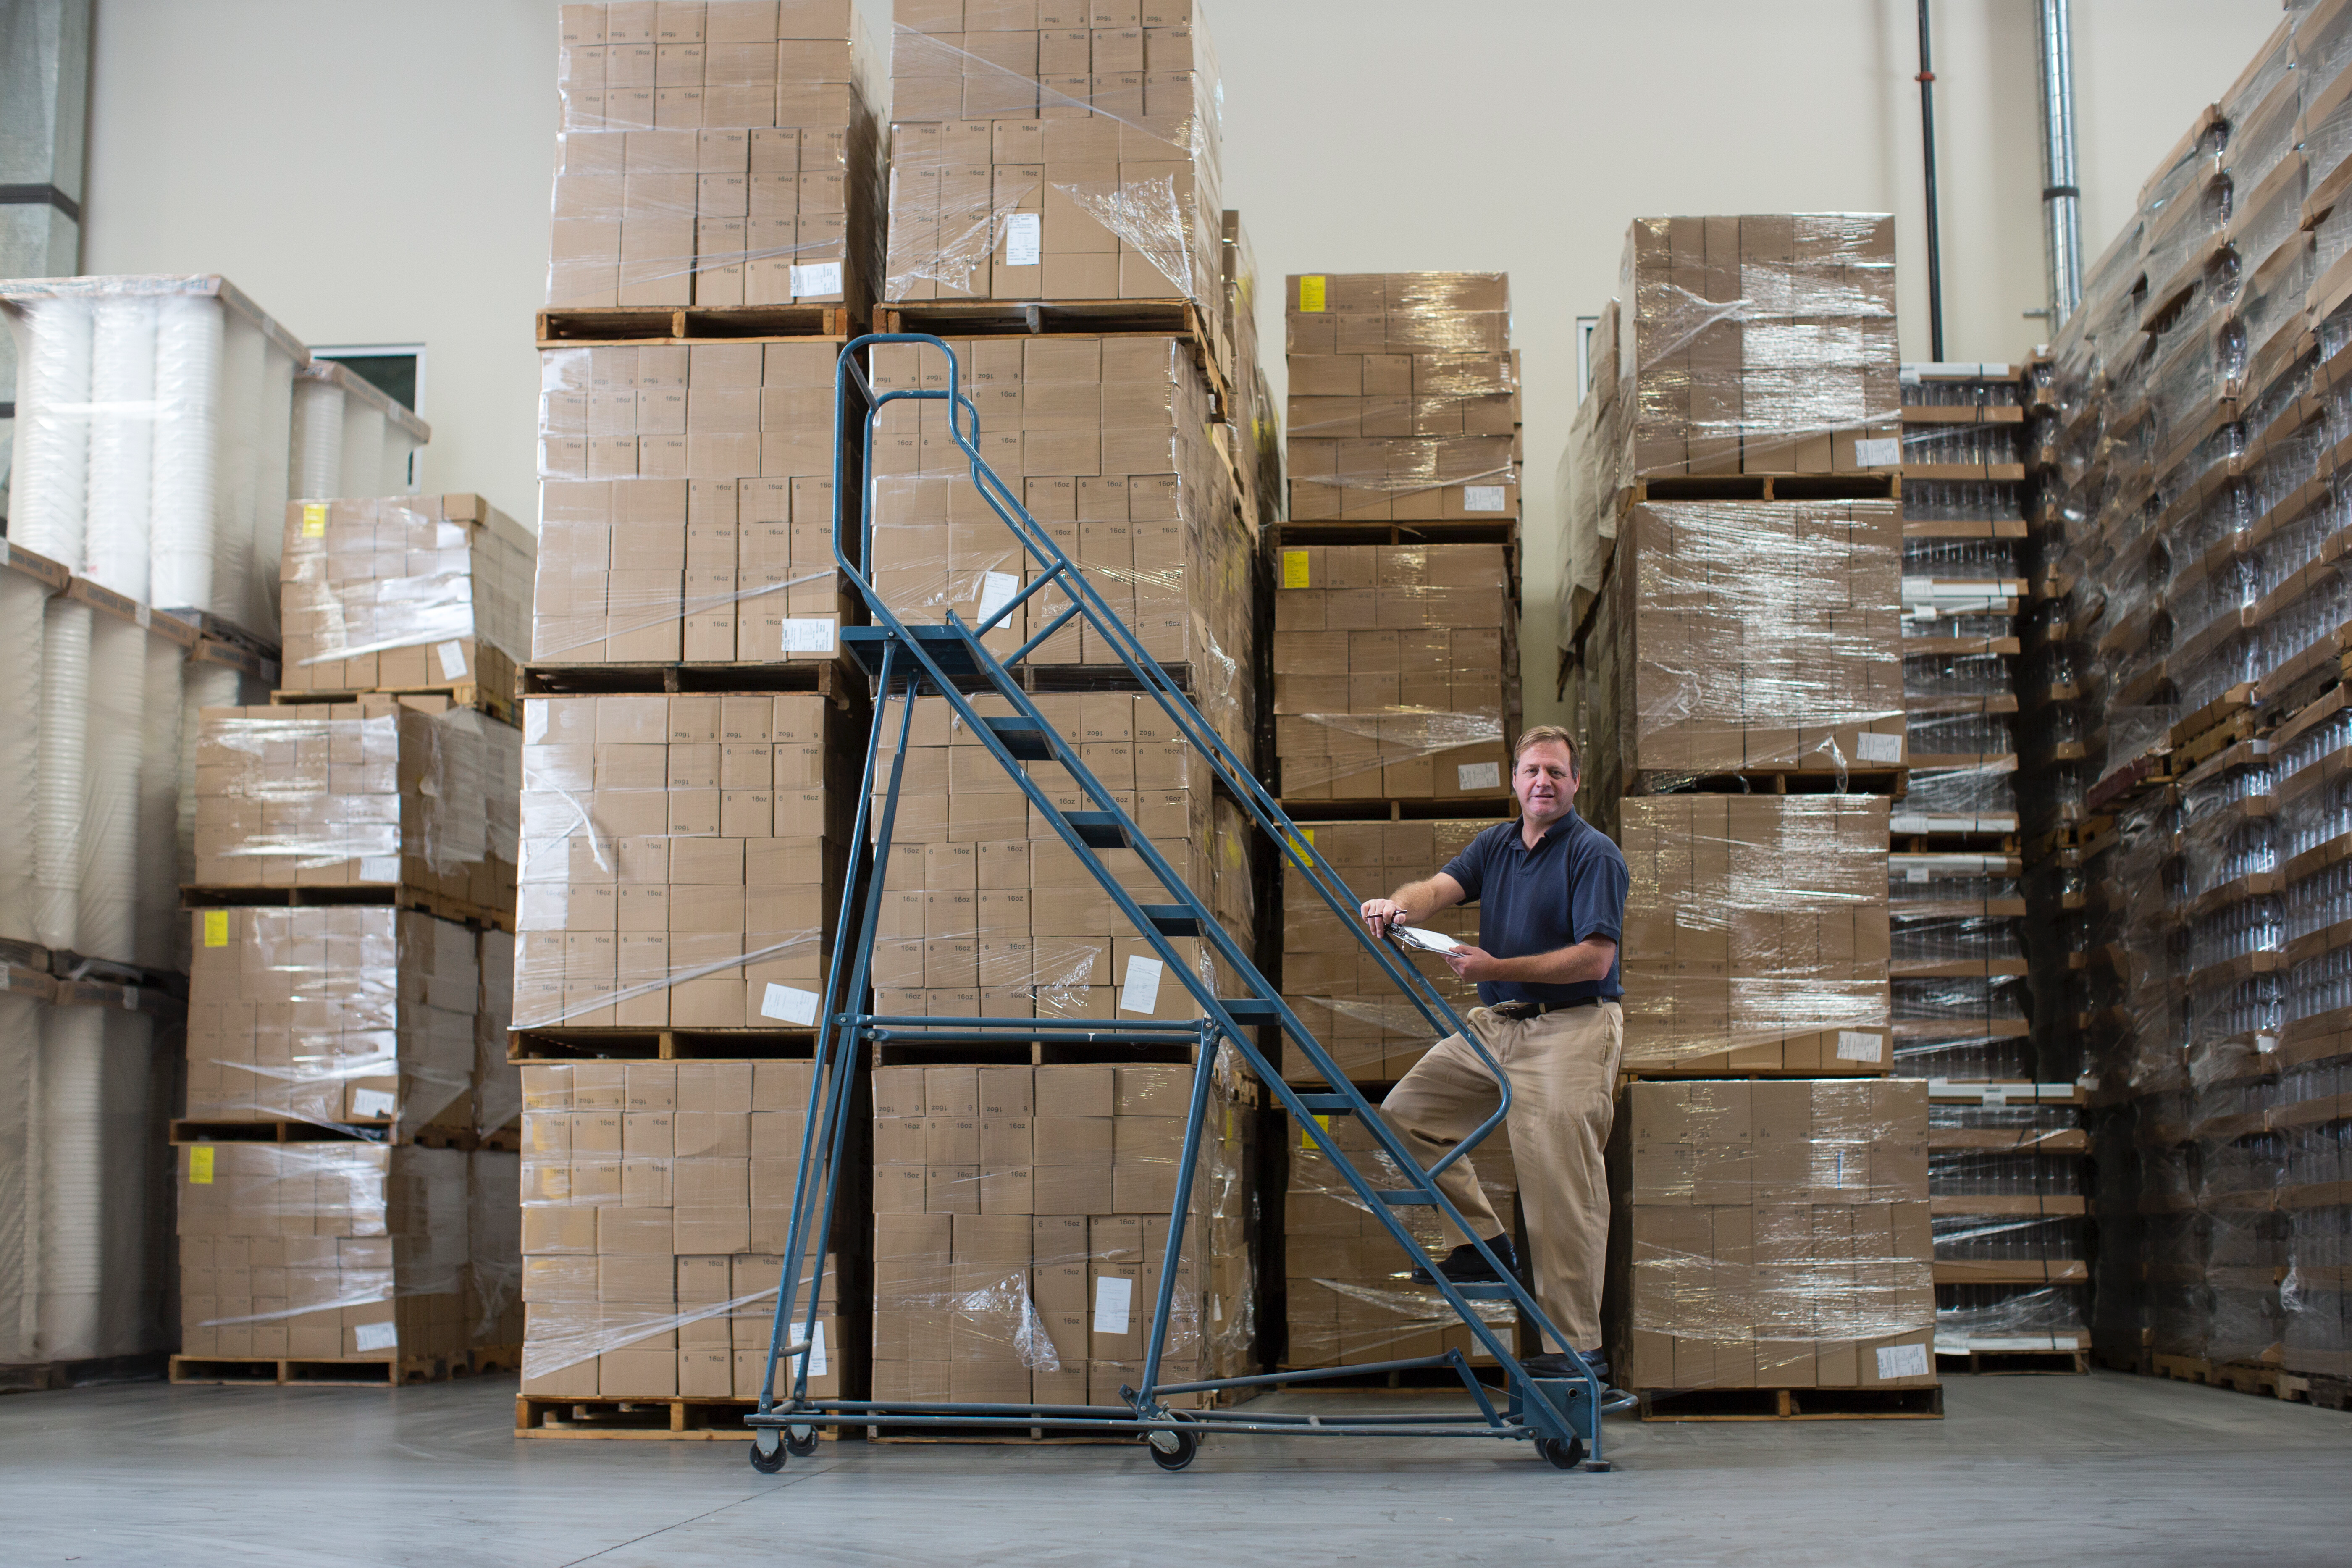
1553 1365
1463 1265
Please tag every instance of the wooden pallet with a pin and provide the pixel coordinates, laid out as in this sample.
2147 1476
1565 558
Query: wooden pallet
1923 1403
423 900
2014 1364
1496 530
834 679
1987 1271
1951 843
1884 486
1066 318
41 1376
687 1419
572 326
1769 781
2317 1388
72 967
2246 1377
1111 1047
474 694
564 1043
336 1371
275 1131
1474 808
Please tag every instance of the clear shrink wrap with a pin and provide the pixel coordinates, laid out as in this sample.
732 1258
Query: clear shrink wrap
405 591
1756 934
383 792
657 1197
1021 1232
1395 671
681 861
686 504
729 154
1349 1296
359 1014
1404 397
1772 1234
326 1252
1749 637
1038 162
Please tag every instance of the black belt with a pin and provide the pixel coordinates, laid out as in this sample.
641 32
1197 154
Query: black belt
1524 1010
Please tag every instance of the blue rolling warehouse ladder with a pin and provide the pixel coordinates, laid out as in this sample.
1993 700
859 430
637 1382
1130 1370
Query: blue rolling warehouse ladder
1559 1415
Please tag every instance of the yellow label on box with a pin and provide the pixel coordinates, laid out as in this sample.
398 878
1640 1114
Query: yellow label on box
1310 292
1294 569
1306 1139
314 519
215 928
200 1164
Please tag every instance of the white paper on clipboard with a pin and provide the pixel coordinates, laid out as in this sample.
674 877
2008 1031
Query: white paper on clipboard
1428 941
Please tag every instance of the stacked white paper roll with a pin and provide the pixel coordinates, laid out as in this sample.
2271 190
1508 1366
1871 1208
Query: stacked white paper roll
107 923
186 518
98 1230
162 931
20 1174
21 626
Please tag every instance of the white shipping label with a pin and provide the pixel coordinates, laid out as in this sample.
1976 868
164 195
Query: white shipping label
375 1336
790 1004
1113 1293
1482 497
1024 239
817 277
996 591
1858 1046
453 660
1902 1360
1140 991
1872 747
811 633
1478 776
816 1362
1886 452
371 1102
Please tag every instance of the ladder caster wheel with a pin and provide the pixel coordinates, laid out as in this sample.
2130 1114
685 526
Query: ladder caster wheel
800 1441
1182 1448
1561 1455
766 1464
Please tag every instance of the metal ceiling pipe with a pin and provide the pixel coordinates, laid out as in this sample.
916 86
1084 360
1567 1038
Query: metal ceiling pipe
1926 79
2062 218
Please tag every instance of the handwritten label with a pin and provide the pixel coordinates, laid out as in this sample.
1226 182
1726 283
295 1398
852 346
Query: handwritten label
1140 992
1902 1360
817 277
453 660
1025 243
1886 452
1294 569
1482 497
1479 776
376 1336
1858 1046
370 1102
789 1004
996 591
817 1362
200 1166
215 928
812 634
1114 1295
1872 747
1310 292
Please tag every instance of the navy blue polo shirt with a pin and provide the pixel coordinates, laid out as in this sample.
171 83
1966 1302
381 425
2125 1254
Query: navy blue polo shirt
1570 886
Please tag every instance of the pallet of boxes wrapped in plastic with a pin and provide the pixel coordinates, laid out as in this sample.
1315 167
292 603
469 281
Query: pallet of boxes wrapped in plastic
343 1262
719 155
1022 1217
681 860
1771 1253
406 592
1073 160
1756 934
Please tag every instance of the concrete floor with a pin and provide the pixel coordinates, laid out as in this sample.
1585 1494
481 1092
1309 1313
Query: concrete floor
2107 1469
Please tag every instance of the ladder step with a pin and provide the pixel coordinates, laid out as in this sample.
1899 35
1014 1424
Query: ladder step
1249 1009
1407 1197
1098 829
1025 740
1328 1104
1173 920
1490 1292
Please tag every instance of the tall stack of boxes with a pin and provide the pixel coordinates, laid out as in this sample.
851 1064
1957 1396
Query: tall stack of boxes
1044 152
1743 650
1395 680
1021 1225
727 153
2195 543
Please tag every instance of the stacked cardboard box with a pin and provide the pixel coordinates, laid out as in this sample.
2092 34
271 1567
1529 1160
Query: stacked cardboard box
1253 427
657 1197
1395 671
1109 444
381 792
1756 934
361 1015
1021 1232
686 504
1046 152
1337 987
682 859
987 912
1772 1234
339 1251
1403 397
403 592
727 153
1350 1297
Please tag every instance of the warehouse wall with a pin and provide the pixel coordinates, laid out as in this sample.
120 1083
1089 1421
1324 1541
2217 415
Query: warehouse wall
376 176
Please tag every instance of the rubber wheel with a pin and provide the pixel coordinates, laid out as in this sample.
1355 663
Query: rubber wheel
800 1447
1188 1448
767 1464
1559 1455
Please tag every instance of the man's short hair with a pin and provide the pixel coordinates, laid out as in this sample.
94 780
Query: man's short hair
1548 736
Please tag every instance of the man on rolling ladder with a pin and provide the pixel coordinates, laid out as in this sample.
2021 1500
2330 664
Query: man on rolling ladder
1550 891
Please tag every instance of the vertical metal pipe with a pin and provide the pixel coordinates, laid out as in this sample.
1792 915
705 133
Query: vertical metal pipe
2062 218
1928 146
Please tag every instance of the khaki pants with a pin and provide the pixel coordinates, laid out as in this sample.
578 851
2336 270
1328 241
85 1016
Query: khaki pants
1563 1073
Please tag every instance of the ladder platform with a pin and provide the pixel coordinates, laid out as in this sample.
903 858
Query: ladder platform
1250 1009
945 645
1489 1291
1407 1197
1099 829
1025 740
1173 920
1328 1104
